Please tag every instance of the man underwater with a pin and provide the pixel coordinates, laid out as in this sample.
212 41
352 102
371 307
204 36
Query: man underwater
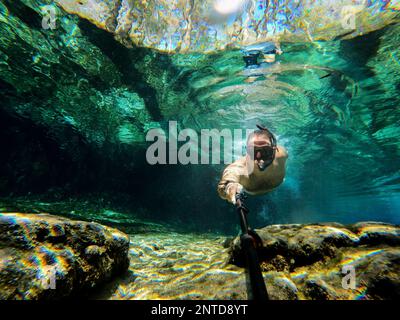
259 172
259 58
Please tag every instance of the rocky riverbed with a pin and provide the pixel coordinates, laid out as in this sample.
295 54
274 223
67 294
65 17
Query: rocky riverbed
317 261
48 257
299 262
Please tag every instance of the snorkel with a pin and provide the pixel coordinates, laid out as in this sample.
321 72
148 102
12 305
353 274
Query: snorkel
263 152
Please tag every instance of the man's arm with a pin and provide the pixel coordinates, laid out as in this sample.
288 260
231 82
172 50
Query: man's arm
229 184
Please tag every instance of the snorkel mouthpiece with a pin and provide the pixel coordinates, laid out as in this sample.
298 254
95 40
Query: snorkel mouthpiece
262 165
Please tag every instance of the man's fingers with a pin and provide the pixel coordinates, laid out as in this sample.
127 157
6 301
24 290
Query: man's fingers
233 190
233 199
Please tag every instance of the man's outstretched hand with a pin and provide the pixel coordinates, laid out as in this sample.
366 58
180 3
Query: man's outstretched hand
234 189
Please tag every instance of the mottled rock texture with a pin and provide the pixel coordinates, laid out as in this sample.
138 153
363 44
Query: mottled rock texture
313 261
49 257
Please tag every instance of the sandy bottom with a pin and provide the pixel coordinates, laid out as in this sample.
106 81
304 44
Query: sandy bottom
177 266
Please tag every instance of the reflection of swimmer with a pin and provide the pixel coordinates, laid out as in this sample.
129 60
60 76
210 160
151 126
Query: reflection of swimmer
259 56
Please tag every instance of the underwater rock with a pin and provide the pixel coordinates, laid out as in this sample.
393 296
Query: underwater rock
281 288
172 265
319 260
48 257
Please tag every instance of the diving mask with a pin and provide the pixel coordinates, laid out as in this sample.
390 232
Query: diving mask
263 151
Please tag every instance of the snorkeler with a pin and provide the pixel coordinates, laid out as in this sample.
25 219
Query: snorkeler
259 172
259 56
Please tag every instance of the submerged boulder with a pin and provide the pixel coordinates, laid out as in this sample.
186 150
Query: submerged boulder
329 261
49 257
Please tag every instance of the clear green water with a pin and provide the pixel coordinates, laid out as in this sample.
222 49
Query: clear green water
76 106
335 107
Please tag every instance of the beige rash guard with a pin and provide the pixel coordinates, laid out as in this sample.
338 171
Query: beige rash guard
241 173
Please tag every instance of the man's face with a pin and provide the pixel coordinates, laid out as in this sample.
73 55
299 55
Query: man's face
260 150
